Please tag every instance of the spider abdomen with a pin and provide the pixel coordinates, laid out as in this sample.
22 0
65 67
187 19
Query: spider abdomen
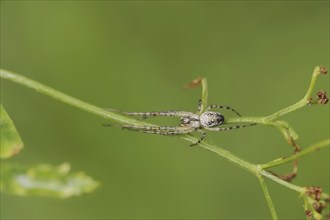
211 119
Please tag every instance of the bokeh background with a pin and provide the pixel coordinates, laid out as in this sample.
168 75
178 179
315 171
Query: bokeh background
136 56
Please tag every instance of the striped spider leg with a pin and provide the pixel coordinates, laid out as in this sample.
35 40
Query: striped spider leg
161 130
189 123
145 115
165 130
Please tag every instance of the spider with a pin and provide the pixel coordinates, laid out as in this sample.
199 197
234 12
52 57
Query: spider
190 122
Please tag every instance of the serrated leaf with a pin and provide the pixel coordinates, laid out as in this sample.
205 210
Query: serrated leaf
45 180
11 142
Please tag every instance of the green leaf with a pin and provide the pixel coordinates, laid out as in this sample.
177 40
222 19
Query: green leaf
11 142
45 180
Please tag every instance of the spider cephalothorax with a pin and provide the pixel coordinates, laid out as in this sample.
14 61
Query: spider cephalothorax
189 122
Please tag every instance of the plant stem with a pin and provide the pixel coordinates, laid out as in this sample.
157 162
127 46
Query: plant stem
282 182
268 197
287 131
310 149
250 167
204 95
303 102
66 98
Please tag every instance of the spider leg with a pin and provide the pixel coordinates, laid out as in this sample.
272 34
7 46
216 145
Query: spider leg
203 135
200 105
150 128
161 130
230 128
145 115
224 107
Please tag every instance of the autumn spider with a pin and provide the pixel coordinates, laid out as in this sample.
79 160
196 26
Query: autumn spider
190 122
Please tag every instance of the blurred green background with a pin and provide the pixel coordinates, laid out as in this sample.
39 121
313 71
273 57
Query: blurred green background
136 56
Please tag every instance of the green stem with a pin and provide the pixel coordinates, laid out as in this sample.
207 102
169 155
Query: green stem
287 131
282 182
246 119
302 103
268 198
310 149
250 167
66 98
204 95
268 119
